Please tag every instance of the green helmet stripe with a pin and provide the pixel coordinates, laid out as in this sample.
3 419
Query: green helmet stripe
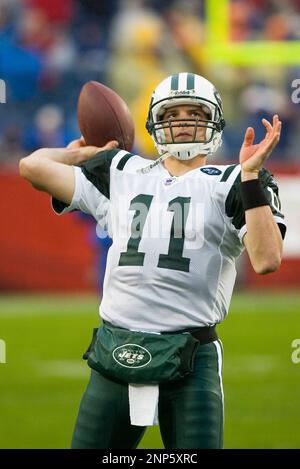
174 82
190 82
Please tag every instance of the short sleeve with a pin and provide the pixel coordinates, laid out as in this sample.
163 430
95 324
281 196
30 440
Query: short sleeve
87 198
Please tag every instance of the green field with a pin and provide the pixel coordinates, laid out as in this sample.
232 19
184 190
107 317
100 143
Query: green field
44 377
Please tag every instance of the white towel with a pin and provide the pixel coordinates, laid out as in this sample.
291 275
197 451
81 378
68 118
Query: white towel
143 404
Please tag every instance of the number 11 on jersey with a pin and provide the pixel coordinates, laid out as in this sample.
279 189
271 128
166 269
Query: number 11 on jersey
174 258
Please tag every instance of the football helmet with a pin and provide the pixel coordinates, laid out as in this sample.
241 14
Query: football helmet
191 89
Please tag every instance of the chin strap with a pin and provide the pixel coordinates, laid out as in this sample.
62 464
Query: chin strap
152 165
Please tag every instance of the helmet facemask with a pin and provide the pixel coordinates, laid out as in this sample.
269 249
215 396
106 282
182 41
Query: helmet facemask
197 143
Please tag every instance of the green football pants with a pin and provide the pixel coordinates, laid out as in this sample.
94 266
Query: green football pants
190 410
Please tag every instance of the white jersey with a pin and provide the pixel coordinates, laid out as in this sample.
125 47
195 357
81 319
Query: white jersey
175 239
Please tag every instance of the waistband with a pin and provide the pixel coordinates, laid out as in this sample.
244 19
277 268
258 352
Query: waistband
205 335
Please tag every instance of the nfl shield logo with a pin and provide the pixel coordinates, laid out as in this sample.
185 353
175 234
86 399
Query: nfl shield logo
169 181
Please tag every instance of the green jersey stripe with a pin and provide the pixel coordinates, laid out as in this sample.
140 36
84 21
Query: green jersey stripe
227 173
123 161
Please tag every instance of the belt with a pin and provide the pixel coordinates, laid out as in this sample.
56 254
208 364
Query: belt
205 335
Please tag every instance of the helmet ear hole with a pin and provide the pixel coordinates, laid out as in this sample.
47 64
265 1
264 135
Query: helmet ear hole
149 127
222 123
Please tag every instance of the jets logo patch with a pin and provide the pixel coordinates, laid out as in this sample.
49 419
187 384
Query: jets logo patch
211 171
132 356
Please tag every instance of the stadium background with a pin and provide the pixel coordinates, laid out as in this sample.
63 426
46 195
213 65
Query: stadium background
51 267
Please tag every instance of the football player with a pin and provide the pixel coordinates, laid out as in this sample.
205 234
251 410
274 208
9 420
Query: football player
178 224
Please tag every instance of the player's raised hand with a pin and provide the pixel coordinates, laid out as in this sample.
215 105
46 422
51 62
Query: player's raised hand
253 156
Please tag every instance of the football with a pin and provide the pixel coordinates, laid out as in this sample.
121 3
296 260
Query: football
103 116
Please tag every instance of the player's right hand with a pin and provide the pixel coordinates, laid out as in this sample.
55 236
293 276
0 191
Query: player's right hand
79 142
82 152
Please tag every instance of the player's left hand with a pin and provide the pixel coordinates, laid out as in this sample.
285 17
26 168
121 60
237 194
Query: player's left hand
253 156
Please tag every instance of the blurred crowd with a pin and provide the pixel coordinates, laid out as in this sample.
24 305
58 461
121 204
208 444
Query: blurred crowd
50 48
267 20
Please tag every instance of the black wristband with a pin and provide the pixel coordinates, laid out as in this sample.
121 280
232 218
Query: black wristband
252 194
